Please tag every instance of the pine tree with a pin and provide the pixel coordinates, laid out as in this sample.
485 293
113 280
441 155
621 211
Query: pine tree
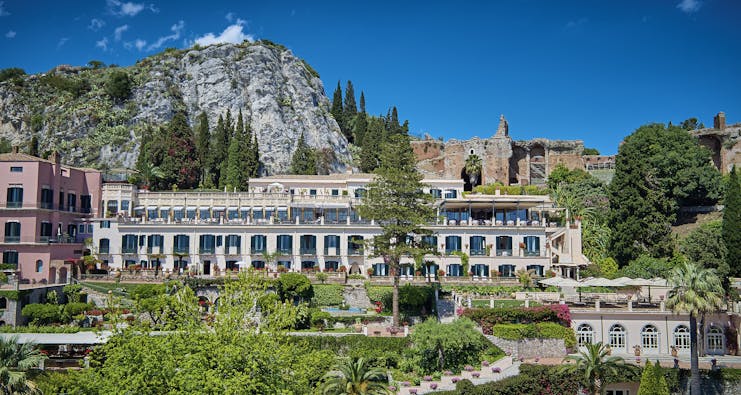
33 146
362 102
360 127
217 151
370 148
180 164
255 158
731 230
304 158
203 146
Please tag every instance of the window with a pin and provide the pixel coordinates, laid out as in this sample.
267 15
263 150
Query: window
478 245
480 270
206 244
3 303
584 335
104 246
45 231
233 244
504 246
129 244
257 244
715 341
436 193
617 392
16 169
312 192
39 266
455 270
72 202
430 242
617 338
47 198
532 245
355 245
451 193
507 270
112 207
181 244
682 337
650 338
285 264
13 232
331 245
219 241
10 257
452 243
360 192
85 204
105 224
285 244
258 265
308 244
537 270
331 266
15 197
155 242
380 269
124 205
61 200
335 192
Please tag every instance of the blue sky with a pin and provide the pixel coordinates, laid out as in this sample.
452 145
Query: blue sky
589 70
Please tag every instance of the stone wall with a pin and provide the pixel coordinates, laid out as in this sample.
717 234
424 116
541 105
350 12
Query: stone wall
531 348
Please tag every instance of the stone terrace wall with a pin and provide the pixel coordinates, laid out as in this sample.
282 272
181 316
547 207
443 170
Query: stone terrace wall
531 348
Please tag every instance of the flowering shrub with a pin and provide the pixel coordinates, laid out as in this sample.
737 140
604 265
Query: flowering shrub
433 386
448 373
487 317
427 378
476 374
496 369
468 368
485 363
455 380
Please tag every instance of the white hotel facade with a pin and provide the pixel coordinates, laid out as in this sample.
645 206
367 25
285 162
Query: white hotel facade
311 223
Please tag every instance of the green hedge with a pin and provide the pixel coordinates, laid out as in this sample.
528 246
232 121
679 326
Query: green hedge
487 318
39 329
412 299
327 295
387 352
543 330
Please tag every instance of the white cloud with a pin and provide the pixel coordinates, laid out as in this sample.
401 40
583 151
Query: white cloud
3 11
229 17
96 24
119 31
140 44
62 41
689 6
232 34
102 44
116 7
576 23
176 29
10 34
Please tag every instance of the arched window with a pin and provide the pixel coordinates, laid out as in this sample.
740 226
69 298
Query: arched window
715 341
682 337
39 266
617 337
584 335
650 338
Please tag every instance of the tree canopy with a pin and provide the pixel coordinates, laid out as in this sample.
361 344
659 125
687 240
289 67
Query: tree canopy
731 228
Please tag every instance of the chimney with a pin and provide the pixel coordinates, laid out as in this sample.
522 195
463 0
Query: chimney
14 149
719 122
55 157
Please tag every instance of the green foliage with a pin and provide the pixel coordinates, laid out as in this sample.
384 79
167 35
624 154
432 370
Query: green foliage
73 292
605 267
542 330
203 144
42 314
487 318
303 160
74 86
496 290
590 151
179 162
39 329
731 229
72 309
705 246
595 366
291 286
563 175
652 381
219 149
327 295
320 319
473 168
491 189
385 352
657 170
437 347
647 267
355 377
15 360
5 145
11 73
412 299
118 85
239 165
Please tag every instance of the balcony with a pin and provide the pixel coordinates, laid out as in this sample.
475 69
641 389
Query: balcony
13 204
128 250
308 251
504 252
181 251
354 251
104 251
256 251
481 252
284 251
206 250
531 252
12 239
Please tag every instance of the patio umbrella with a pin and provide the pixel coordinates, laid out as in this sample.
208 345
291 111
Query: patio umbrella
600 282
241 264
648 283
560 282
623 281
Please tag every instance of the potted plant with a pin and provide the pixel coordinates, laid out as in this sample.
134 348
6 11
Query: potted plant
675 352
370 272
637 350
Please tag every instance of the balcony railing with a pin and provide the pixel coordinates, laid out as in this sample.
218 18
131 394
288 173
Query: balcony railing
258 251
308 251
12 239
181 250
532 253
206 250
478 252
354 251
504 252
104 251
128 250
284 251
14 204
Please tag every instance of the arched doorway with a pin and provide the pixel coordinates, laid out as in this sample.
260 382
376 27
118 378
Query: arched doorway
715 341
713 144
52 275
62 275
517 163
538 173
355 268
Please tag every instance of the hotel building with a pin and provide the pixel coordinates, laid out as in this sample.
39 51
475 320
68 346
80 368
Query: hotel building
45 216
308 223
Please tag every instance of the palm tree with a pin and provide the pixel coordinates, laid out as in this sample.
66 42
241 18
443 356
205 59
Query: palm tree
149 173
473 169
695 290
594 363
355 377
525 277
15 360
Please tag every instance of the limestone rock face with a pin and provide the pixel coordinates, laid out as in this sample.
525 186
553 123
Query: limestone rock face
279 95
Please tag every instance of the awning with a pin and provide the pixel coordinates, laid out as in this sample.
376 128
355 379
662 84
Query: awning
177 208
153 208
246 208
233 208
257 208
190 208
219 208
164 207
139 208
203 208
282 208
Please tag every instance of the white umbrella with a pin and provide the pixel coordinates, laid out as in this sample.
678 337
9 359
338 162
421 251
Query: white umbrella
600 282
623 281
242 264
560 282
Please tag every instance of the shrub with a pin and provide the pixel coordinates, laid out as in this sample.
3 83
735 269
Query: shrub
72 292
118 85
542 330
327 295
412 299
321 319
489 317
75 308
294 285
144 291
386 352
42 314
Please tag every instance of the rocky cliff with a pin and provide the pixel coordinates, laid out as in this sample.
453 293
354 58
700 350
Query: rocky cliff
279 94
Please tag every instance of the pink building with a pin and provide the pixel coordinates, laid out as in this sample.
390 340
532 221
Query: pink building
45 208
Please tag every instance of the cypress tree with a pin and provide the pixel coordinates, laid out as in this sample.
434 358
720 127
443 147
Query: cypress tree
218 151
362 102
369 153
33 146
304 158
731 230
237 170
225 138
337 104
359 130
350 108
255 171
203 147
